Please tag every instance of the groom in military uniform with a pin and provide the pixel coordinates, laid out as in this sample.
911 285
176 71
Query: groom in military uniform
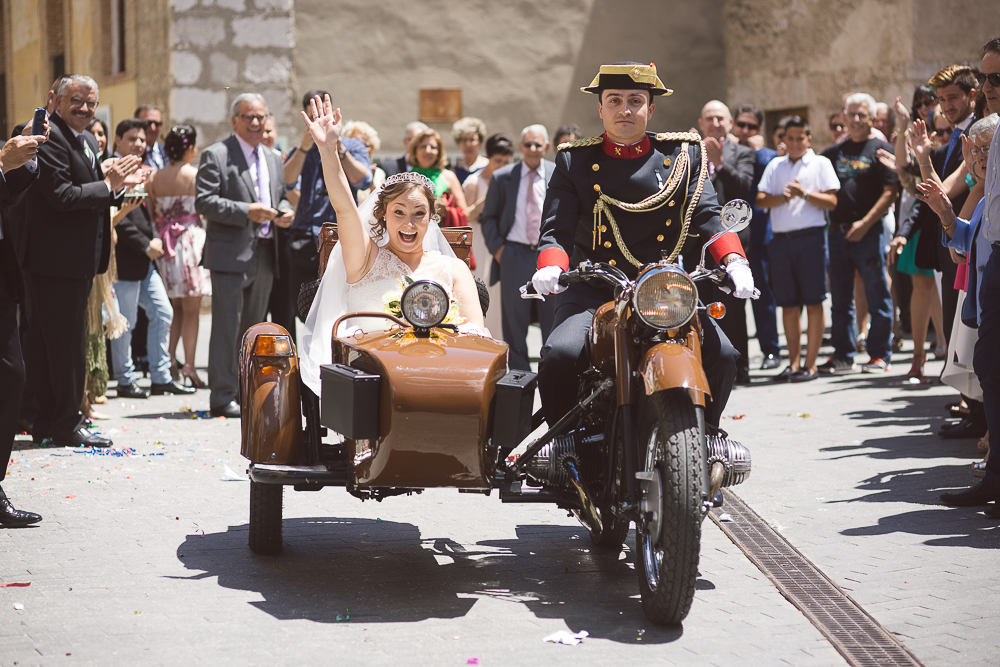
628 198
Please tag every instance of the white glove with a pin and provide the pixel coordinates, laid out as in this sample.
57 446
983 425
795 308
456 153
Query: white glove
742 279
546 280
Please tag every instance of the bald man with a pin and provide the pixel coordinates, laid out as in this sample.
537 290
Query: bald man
730 166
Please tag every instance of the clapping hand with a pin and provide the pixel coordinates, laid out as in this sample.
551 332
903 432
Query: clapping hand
328 123
794 189
120 170
713 151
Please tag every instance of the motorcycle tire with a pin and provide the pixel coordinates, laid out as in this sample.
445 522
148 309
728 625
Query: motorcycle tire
265 518
307 294
668 547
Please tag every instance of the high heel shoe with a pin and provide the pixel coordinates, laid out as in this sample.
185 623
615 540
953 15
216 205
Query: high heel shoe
917 369
191 374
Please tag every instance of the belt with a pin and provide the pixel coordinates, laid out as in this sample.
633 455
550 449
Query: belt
265 240
530 247
797 232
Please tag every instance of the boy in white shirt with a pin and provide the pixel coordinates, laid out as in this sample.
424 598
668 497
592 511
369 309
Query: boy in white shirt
798 187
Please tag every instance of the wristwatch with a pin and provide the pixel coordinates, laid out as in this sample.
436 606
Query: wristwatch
805 196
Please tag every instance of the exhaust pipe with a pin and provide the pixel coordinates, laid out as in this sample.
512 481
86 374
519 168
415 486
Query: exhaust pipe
589 512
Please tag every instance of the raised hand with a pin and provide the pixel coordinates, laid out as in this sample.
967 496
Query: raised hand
328 123
921 142
932 193
902 115
970 162
887 159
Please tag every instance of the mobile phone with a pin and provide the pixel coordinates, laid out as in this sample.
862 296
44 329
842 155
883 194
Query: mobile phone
38 122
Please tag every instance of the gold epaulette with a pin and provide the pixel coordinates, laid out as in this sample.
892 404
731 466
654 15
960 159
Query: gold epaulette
590 141
678 136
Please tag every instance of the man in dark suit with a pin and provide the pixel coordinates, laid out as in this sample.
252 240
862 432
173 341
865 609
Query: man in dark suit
730 167
68 218
399 164
18 171
139 285
511 223
241 192
627 165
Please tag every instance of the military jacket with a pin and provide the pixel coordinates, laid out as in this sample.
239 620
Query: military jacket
629 174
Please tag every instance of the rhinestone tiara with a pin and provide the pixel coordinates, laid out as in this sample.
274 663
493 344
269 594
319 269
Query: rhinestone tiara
412 177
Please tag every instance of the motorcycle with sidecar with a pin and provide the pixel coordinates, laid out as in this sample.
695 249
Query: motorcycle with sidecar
421 405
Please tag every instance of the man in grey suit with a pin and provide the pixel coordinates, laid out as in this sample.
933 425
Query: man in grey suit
241 192
511 221
730 166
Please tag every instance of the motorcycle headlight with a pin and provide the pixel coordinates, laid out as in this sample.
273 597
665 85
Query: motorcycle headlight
424 304
665 298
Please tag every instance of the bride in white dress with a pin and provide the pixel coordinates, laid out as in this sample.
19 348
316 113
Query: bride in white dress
395 234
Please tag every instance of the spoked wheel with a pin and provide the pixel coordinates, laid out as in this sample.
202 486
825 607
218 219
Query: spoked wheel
668 536
265 518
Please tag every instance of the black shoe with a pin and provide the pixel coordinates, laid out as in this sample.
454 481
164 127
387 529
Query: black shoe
172 387
132 391
743 377
785 375
980 494
770 361
230 410
82 437
11 517
966 428
803 375
993 512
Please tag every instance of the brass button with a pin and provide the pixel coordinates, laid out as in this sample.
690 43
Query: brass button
612 262
607 244
670 203
668 222
604 228
666 162
597 167
659 237
597 187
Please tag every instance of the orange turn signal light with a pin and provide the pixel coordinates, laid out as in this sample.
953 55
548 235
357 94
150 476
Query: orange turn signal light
273 346
716 310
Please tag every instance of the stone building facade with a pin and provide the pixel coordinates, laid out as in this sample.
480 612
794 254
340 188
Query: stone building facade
515 63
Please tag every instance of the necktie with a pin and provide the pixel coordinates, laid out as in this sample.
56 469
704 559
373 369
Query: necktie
89 153
265 227
956 136
532 210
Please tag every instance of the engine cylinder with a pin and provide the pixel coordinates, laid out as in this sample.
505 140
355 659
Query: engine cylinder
734 456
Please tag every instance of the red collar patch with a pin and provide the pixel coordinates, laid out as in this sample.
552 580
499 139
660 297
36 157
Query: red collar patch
623 152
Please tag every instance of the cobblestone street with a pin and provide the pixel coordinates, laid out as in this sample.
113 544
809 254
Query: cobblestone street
143 559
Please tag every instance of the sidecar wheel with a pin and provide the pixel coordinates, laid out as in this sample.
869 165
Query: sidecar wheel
265 518
668 543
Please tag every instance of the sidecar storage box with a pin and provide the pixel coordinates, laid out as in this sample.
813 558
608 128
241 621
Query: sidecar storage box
512 420
349 401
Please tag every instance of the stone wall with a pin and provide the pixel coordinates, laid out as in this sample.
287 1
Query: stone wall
517 63
222 48
808 53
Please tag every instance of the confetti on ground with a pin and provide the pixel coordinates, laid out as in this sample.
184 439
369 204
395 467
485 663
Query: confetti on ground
738 417
803 415
725 518
472 661
566 637
18 606
13 584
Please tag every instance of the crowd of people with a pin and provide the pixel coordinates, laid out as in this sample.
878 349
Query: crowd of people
892 218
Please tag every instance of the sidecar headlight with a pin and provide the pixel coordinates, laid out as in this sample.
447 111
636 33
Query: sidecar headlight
665 298
424 304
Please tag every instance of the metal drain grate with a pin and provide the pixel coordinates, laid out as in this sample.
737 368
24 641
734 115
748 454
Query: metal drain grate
856 635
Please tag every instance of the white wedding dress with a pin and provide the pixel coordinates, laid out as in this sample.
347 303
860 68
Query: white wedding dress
368 294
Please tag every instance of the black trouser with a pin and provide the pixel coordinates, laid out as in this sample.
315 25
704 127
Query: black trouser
517 265
58 362
564 356
986 358
29 397
303 262
11 382
949 295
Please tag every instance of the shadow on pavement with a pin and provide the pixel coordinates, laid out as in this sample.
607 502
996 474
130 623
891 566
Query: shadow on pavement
385 572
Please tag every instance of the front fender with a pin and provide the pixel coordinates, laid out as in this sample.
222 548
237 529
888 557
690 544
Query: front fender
674 366
270 401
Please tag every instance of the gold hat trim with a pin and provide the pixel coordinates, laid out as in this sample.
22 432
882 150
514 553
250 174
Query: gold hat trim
638 73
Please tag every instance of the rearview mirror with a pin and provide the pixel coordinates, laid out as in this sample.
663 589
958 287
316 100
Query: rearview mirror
735 217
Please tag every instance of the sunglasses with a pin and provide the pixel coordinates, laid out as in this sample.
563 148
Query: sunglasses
533 144
154 124
942 132
993 78
747 126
